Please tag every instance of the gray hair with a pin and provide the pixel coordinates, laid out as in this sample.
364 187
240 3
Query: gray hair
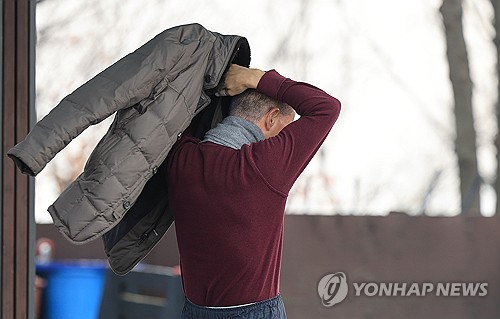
252 105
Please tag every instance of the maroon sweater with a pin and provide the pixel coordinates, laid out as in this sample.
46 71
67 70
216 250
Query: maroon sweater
229 204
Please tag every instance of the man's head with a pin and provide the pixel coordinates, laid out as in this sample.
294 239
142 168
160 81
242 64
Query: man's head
268 114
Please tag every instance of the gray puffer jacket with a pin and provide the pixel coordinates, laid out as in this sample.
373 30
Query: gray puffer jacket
155 91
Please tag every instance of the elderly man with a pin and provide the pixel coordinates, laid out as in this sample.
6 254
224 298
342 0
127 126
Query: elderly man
228 192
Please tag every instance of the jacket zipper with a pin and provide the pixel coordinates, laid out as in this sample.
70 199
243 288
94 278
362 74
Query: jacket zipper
146 234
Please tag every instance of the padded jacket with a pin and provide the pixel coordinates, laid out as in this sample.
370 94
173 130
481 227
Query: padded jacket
155 92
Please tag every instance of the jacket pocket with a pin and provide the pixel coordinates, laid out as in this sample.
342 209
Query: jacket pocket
158 89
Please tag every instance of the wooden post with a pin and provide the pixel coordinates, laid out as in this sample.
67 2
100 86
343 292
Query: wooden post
17 221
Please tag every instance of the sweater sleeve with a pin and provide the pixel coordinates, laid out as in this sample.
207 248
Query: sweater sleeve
282 158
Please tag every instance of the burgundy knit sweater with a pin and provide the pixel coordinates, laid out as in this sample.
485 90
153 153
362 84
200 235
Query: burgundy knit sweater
229 204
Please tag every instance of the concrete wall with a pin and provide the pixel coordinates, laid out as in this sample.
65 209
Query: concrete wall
396 248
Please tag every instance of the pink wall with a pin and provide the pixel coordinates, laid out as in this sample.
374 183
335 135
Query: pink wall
396 248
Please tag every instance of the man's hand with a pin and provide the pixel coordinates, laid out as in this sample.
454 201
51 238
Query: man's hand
238 79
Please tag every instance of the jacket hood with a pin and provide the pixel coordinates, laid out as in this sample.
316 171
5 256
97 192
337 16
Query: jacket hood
226 50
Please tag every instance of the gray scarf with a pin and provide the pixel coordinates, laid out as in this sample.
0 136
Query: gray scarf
234 132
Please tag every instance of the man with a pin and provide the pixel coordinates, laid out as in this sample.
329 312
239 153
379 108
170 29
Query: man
228 192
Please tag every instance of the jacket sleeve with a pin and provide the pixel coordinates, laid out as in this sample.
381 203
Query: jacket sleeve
123 84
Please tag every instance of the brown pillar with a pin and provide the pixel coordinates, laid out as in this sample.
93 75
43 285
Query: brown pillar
17 231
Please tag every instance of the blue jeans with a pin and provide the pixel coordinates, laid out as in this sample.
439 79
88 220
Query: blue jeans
267 309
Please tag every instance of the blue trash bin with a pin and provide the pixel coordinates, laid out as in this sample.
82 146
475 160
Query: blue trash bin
74 289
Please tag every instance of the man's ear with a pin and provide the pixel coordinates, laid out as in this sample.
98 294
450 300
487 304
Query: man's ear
272 117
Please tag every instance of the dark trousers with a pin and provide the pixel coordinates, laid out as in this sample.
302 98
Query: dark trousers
267 309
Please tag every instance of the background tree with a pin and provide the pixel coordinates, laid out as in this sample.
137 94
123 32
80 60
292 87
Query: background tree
496 24
465 139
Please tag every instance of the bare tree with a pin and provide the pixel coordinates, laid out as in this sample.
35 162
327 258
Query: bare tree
465 140
496 24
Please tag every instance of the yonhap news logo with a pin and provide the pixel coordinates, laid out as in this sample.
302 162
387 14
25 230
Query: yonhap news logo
333 289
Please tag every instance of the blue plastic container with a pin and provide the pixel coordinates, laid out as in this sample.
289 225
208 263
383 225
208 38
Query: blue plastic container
74 289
